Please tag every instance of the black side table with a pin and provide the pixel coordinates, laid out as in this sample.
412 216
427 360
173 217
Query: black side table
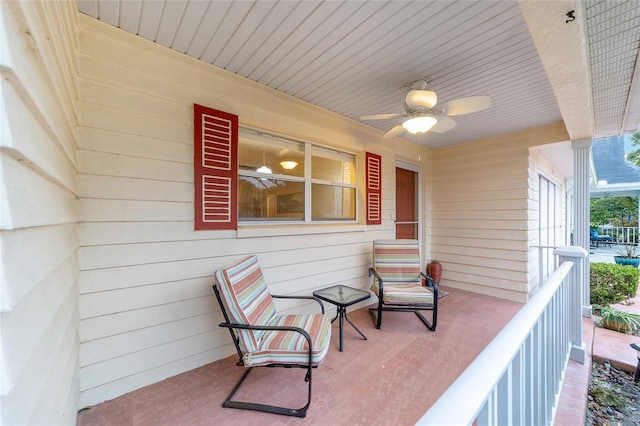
342 296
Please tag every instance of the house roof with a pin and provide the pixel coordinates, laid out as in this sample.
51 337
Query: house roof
610 162
541 62
614 175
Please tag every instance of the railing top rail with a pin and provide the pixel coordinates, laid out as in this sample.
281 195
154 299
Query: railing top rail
481 377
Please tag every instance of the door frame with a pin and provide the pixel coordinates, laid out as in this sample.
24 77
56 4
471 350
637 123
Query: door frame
418 170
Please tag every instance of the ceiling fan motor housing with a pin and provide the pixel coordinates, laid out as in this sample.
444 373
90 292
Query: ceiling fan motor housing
421 99
419 107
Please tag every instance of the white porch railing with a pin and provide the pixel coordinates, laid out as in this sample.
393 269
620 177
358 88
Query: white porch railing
517 379
620 234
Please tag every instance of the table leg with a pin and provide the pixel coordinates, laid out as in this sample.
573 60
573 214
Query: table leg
342 312
354 326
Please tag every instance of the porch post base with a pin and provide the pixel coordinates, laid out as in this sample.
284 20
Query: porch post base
578 353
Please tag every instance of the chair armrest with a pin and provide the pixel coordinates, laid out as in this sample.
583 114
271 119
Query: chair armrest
431 283
300 297
373 272
304 333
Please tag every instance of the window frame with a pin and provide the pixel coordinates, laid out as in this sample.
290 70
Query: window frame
549 220
248 133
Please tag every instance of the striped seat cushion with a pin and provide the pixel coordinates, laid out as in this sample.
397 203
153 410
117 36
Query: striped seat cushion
405 295
397 262
288 347
244 292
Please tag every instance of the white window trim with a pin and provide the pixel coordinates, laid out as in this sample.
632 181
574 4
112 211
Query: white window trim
310 149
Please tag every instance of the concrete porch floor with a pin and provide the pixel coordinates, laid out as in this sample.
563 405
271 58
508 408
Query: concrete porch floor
391 378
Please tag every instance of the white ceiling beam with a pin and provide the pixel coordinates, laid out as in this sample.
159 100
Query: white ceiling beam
562 47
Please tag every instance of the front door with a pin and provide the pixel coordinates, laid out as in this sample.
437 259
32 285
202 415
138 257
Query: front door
406 204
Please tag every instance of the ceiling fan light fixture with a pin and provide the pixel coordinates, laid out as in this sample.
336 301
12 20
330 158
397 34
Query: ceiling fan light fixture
421 99
419 124
264 169
288 164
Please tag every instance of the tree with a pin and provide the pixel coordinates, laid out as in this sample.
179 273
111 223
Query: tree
616 211
634 156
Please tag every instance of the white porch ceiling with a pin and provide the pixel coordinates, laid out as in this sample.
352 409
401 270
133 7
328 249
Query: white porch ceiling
613 35
357 57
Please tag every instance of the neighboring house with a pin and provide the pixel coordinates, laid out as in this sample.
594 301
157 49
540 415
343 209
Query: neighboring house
612 173
610 162
106 287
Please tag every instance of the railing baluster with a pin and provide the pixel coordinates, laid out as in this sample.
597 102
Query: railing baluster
517 373
518 377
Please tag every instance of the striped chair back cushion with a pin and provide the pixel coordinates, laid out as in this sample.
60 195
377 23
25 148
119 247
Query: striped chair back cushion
247 299
397 261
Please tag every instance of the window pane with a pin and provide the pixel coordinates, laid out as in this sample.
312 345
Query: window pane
549 226
285 158
332 203
333 167
270 199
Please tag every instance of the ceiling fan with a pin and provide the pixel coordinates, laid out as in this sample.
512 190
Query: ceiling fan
424 115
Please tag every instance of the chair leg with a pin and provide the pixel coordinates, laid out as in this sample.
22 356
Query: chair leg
295 412
376 315
431 325
377 319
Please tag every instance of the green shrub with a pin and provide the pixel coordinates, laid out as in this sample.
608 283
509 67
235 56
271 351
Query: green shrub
612 283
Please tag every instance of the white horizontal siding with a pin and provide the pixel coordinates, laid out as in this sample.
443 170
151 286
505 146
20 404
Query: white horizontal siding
482 213
36 252
146 304
110 142
52 160
31 191
299 249
39 267
148 375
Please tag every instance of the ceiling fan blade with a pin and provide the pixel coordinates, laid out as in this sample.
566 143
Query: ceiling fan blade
444 124
421 99
465 105
394 132
380 116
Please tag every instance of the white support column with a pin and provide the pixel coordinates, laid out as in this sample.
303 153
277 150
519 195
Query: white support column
581 175
579 256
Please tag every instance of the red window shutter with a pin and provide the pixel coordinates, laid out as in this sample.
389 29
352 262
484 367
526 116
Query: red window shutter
215 168
374 188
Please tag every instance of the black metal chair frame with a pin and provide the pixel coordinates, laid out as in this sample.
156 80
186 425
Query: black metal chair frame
229 403
376 313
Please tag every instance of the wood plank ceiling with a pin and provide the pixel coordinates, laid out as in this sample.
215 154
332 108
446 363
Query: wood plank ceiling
358 57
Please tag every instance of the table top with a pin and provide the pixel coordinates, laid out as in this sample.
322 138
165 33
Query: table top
341 295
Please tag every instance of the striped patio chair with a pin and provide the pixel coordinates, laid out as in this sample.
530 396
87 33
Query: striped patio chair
398 281
264 338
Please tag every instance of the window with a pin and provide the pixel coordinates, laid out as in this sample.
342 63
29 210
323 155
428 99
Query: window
549 217
283 180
